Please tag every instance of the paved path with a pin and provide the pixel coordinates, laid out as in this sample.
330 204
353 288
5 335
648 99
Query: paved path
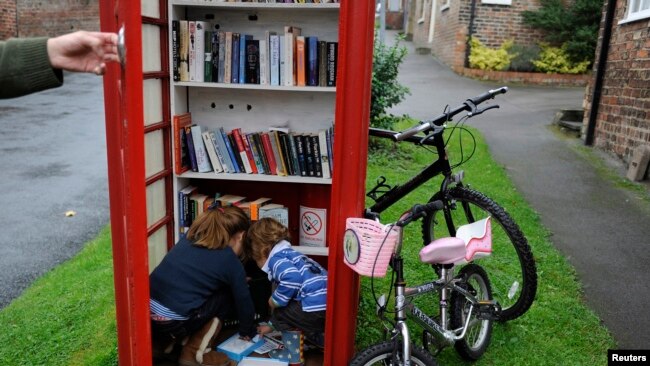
601 229
52 159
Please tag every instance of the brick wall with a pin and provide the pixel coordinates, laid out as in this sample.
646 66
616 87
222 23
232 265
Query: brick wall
50 18
623 120
7 19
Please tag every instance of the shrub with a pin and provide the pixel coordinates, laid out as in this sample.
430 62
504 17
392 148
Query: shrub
523 57
386 90
554 59
485 58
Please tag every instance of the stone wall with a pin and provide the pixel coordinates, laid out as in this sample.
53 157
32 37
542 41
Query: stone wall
50 18
623 120
8 19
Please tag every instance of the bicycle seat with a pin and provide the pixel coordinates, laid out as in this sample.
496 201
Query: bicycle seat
471 241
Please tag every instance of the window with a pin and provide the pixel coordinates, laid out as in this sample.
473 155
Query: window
637 9
444 5
497 2
423 11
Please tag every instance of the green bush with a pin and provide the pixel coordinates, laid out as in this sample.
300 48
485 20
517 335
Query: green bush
574 25
386 90
557 60
523 57
485 58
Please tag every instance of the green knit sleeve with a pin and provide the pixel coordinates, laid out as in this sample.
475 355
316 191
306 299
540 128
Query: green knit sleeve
25 67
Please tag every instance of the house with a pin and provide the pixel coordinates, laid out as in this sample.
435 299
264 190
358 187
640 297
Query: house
617 99
443 27
30 18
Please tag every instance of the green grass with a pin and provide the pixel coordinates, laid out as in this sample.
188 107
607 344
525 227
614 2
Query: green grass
67 317
558 329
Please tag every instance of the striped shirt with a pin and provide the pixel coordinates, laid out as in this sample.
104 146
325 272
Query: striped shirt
161 310
297 277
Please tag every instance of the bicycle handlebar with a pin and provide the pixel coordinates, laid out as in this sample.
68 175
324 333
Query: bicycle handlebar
418 211
469 105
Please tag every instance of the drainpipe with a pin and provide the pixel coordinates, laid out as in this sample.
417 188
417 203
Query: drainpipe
600 72
470 32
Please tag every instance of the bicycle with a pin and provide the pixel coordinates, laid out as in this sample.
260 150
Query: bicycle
512 271
465 320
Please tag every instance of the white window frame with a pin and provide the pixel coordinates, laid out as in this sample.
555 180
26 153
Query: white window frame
497 2
634 12
445 5
423 11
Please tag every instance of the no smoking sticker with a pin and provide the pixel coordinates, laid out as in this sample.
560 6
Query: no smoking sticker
312 226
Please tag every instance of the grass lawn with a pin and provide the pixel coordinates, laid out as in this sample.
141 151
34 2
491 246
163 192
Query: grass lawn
68 316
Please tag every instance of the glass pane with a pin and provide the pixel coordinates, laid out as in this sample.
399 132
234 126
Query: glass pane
152 89
151 59
154 153
156 207
150 8
157 247
645 5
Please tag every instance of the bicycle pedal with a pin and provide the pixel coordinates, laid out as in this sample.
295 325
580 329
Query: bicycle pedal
488 310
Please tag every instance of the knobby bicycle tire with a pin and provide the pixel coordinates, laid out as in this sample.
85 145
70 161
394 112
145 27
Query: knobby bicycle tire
382 354
511 266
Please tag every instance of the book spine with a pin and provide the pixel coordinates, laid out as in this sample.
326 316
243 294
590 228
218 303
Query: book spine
309 155
264 62
294 154
288 58
214 47
234 64
236 134
223 153
227 73
221 75
199 60
300 150
268 150
330 142
253 62
242 57
181 213
190 148
286 154
192 59
312 61
212 153
231 152
175 50
322 63
332 60
202 160
301 70
324 158
222 159
274 63
238 162
277 153
318 170
207 71
257 142
184 52
257 160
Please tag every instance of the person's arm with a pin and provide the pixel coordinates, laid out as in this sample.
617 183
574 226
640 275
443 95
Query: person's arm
243 301
25 68
289 281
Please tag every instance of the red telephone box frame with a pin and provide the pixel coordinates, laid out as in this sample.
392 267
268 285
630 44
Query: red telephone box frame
127 190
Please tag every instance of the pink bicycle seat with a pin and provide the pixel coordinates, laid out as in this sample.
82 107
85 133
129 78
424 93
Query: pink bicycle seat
472 241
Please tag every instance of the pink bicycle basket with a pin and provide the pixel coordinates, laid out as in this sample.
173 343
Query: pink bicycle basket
367 244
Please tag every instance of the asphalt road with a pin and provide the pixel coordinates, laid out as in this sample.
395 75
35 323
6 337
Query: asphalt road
601 229
52 160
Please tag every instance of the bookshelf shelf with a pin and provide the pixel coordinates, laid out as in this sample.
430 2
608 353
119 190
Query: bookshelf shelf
312 89
319 251
255 178
248 6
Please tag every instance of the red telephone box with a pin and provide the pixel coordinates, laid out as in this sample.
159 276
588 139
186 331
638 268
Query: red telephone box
140 163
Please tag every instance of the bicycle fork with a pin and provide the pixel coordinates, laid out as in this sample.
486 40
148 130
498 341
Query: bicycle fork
400 314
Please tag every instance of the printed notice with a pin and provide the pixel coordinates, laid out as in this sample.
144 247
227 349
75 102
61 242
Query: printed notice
313 226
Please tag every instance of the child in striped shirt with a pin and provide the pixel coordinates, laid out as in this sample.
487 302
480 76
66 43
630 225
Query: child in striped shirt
298 300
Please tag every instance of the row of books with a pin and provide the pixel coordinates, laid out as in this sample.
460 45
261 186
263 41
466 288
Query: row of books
192 203
277 151
203 54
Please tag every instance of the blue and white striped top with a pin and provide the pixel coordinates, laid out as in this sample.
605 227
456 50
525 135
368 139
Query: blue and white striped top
297 277
159 309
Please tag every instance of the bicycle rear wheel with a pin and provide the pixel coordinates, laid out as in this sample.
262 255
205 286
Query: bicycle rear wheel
389 353
511 266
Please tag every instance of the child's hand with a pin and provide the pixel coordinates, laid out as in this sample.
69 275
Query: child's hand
271 303
263 329
246 338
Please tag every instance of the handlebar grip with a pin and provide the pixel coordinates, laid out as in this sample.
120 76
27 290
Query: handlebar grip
488 95
402 135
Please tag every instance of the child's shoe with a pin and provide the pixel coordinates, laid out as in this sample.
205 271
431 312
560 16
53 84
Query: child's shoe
293 347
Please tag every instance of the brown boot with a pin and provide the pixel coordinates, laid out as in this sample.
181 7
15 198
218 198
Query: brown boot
198 351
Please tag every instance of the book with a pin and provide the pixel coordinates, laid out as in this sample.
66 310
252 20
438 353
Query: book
282 62
192 46
242 56
294 154
309 155
202 159
324 157
257 142
254 207
318 169
268 151
236 348
274 61
182 161
197 201
300 150
249 152
330 142
216 142
221 74
231 200
332 60
313 226
230 150
212 152
184 50
199 61
301 70
253 61
184 217
312 61
264 63
238 162
276 211
322 63
234 73
190 148
227 67
290 34
175 50
214 48
277 154
239 142
207 69
285 149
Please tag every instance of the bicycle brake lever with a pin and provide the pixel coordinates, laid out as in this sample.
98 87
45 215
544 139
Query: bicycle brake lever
478 111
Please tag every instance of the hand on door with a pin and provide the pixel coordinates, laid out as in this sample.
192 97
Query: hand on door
83 51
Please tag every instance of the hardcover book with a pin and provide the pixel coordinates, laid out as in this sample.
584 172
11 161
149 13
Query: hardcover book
192 48
182 161
190 148
175 50
184 50
253 61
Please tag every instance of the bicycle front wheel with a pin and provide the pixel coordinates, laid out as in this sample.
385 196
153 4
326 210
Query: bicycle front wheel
511 265
389 353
